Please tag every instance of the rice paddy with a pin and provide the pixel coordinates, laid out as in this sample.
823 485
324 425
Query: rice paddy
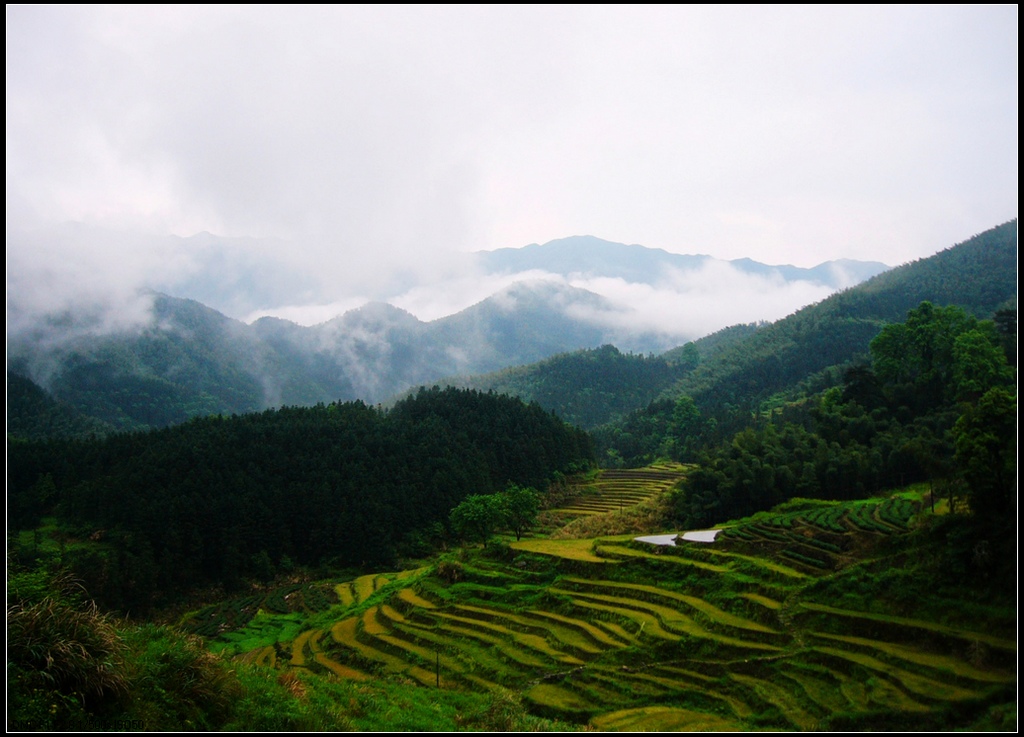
608 633
617 489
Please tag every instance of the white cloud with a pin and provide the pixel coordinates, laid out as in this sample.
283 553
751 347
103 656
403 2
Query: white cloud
75 271
314 314
384 141
698 302
439 299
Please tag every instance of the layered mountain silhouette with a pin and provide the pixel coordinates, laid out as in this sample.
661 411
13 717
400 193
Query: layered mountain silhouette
734 370
191 359
243 276
593 257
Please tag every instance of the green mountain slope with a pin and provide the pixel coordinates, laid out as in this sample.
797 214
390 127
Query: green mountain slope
979 275
810 350
586 388
192 361
731 372
33 414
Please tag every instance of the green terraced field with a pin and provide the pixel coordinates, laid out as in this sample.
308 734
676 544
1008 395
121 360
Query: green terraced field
615 635
618 489
822 538
578 550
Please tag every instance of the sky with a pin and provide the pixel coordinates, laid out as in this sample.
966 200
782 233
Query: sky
352 143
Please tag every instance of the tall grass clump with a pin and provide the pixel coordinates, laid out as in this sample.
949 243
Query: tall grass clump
65 658
72 667
176 683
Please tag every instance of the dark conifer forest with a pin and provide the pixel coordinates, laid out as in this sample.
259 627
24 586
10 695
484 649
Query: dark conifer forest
219 500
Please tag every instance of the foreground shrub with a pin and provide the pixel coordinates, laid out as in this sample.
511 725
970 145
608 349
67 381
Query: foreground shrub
72 667
65 658
176 683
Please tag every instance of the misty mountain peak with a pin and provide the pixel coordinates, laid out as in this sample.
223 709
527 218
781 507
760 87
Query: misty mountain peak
591 257
379 312
545 295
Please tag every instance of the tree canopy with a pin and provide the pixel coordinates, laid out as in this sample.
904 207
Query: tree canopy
479 516
937 403
222 499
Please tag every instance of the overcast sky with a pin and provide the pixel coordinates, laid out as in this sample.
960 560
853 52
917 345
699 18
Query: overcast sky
376 137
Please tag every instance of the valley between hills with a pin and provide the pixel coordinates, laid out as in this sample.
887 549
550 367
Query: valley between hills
466 556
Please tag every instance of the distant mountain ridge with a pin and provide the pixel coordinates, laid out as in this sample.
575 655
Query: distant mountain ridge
734 369
591 256
193 360
240 276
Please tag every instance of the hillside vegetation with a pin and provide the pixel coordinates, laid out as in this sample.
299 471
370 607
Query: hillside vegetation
586 388
833 616
187 360
812 349
832 543
629 400
222 500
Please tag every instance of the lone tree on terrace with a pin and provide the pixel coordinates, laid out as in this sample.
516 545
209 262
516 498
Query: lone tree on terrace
522 504
479 516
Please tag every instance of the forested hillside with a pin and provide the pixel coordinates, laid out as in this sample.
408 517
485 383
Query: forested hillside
190 361
33 414
979 275
937 403
810 350
594 387
220 500
186 364
586 388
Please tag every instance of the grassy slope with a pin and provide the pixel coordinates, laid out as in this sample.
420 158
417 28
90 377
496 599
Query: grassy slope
789 621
